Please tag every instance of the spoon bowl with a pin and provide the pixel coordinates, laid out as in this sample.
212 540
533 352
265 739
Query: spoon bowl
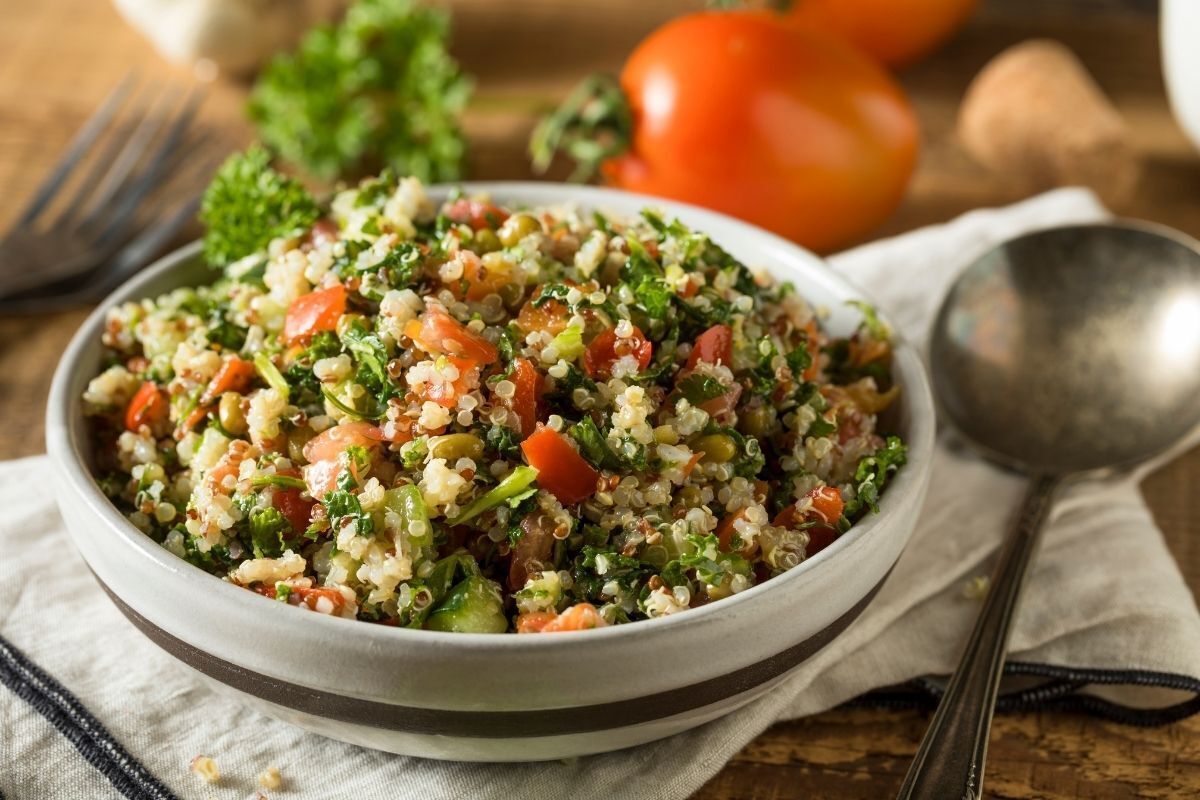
1062 352
1074 349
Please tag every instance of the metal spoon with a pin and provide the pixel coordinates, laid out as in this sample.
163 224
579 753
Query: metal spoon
1061 353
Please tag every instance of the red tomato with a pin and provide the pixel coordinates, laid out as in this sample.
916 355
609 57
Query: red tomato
524 402
477 214
579 617
550 317
292 504
714 346
894 33
827 506
607 347
446 393
235 375
723 402
314 312
561 471
148 407
813 344
726 531
436 331
753 115
332 442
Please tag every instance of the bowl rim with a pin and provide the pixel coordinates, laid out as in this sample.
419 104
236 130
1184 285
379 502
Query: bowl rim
63 447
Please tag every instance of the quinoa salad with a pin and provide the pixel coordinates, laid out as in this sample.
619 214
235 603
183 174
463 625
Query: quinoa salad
470 417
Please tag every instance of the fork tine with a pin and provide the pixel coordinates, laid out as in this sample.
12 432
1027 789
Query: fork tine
126 261
95 172
82 142
153 173
118 171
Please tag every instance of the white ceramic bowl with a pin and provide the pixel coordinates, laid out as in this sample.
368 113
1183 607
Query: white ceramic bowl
495 697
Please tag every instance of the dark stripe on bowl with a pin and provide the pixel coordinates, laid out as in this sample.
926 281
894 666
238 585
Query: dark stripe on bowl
492 724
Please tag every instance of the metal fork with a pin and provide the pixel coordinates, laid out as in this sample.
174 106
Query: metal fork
66 251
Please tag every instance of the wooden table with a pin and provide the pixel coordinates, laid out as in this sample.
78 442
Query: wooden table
62 56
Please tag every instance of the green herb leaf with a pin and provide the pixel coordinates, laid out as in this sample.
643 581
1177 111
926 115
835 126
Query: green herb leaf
378 88
872 474
343 507
248 204
267 529
593 445
699 388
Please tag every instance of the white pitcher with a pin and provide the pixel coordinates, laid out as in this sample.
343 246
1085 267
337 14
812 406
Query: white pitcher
1180 37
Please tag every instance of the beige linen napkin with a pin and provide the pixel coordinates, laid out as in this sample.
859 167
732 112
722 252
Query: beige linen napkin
1107 626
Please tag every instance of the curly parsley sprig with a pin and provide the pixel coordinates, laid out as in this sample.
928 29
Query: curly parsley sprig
377 89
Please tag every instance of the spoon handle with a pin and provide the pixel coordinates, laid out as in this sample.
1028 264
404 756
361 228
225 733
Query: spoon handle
950 761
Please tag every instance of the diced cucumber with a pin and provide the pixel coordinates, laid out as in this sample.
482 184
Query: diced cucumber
473 605
406 502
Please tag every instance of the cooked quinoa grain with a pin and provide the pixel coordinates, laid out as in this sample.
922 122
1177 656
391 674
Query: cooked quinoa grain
475 418
206 768
270 778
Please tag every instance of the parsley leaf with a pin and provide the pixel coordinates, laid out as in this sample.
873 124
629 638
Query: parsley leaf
378 88
591 442
344 508
698 388
872 474
248 204
267 530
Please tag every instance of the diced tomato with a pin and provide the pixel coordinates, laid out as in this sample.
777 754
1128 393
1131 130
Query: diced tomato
524 402
436 331
321 476
726 531
332 442
294 507
314 312
190 421
607 348
477 214
561 471
235 375
723 402
446 393
398 431
312 597
714 346
550 317
813 345
479 280
579 617
148 407
535 621
827 506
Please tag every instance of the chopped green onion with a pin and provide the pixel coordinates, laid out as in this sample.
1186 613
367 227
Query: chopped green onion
271 374
517 482
353 413
281 481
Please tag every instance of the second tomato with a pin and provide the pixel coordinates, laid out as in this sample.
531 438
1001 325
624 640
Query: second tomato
781 126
